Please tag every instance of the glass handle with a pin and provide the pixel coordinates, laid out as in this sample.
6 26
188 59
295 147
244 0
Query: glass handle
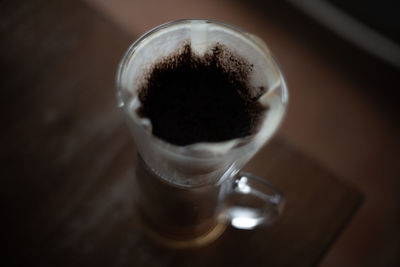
252 202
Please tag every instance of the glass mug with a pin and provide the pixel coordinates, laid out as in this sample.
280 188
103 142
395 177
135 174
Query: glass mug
185 196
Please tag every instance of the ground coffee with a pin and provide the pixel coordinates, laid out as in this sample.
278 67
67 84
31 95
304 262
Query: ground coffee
190 98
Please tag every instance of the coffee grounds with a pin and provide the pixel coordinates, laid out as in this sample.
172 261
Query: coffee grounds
191 99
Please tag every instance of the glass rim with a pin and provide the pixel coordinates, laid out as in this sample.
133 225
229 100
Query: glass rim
181 151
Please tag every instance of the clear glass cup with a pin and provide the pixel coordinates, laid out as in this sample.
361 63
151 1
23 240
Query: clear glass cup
185 196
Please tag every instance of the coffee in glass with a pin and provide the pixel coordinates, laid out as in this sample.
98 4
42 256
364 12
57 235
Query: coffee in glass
201 97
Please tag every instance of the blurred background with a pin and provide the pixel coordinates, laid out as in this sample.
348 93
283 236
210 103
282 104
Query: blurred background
341 60
342 64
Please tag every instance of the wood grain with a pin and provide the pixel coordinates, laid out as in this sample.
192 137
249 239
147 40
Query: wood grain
66 159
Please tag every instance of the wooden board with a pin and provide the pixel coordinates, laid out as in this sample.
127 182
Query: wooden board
66 159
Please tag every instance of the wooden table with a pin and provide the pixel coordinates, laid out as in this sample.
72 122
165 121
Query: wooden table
66 158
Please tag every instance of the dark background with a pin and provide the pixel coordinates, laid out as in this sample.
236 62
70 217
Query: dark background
343 113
